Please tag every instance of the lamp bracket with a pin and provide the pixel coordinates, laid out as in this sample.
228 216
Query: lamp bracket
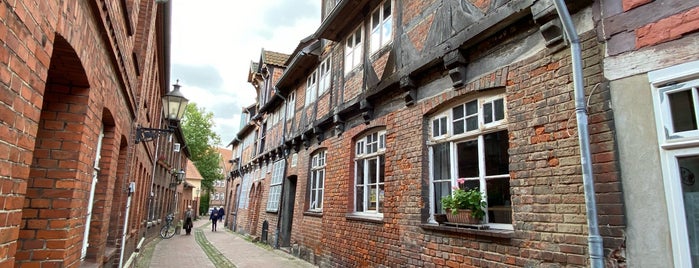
148 134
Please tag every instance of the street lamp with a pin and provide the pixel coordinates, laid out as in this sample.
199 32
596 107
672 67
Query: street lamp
174 104
178 177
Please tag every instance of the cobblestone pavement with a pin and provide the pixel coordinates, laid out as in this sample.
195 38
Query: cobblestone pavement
222 248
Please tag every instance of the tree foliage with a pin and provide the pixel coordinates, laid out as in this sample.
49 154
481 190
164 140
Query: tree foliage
197 127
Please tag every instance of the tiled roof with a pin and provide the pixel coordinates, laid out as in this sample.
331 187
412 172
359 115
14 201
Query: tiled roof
226 155
192 171
274 58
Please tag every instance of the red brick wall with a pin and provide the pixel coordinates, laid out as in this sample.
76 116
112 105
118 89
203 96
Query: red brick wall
670 28
60 81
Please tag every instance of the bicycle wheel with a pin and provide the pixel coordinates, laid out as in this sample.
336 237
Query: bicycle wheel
167 231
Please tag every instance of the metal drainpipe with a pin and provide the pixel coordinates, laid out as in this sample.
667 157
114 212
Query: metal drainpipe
596 249
279 212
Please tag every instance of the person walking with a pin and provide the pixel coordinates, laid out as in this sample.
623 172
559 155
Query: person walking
220 214
214 219
188 222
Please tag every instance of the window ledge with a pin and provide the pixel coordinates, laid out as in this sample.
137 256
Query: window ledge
366 218
499 233
318 214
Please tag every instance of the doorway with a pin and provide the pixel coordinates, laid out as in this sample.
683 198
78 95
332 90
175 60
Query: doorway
287 212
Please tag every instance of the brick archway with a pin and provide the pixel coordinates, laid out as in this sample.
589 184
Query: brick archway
53 215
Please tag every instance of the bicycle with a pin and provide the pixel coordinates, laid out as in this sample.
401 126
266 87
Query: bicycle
168 230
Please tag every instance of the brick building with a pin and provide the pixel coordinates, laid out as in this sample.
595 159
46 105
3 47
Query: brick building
79 79
652 65
374 117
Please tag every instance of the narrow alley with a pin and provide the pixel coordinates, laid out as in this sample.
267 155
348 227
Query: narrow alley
222 248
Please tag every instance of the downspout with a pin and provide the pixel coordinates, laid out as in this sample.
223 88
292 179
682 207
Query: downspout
596 249
281 196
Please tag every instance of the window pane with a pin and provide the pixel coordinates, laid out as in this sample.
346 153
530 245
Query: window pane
496 157
387 29
459 127
381 197
382 163
472 108
471 123
487 113
467 154
443 125
435 128
375 39
359 172
441 189
372 170
375 19
440 162
373 198
458 112
359 205
321 178
689 166
358 36
499 109
682 111
387 9
499 209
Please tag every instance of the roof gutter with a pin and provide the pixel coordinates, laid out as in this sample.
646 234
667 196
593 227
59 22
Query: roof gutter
596 249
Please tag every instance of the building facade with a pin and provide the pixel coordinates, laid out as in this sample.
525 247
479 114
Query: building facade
390 105
80 80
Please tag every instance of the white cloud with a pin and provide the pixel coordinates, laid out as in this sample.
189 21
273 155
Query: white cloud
214 41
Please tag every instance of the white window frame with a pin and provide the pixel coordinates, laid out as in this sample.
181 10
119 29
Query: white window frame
275 186
317 182
674 145
291 105
354 53
381 28
311 87
324 76
365 153
244 192
454 139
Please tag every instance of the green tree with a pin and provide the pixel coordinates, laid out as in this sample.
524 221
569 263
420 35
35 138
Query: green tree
197 127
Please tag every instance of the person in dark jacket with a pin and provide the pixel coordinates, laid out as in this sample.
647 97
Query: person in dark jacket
220 214
214 219
188 222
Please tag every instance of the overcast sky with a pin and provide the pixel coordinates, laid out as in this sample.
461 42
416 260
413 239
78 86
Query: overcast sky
213 42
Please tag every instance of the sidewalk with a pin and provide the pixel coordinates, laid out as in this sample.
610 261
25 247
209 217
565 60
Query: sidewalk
184 251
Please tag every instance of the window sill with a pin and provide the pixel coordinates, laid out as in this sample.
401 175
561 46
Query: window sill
498 233
318 214
366 218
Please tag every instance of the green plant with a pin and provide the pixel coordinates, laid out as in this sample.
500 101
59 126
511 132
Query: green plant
468 199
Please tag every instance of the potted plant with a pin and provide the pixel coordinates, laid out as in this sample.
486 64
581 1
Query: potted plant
463 203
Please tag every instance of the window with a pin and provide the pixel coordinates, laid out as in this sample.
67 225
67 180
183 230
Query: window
469 142
275 188
381 26
311 87
675 99
324 81
291 105
369 173
353 50
317 181
246 183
